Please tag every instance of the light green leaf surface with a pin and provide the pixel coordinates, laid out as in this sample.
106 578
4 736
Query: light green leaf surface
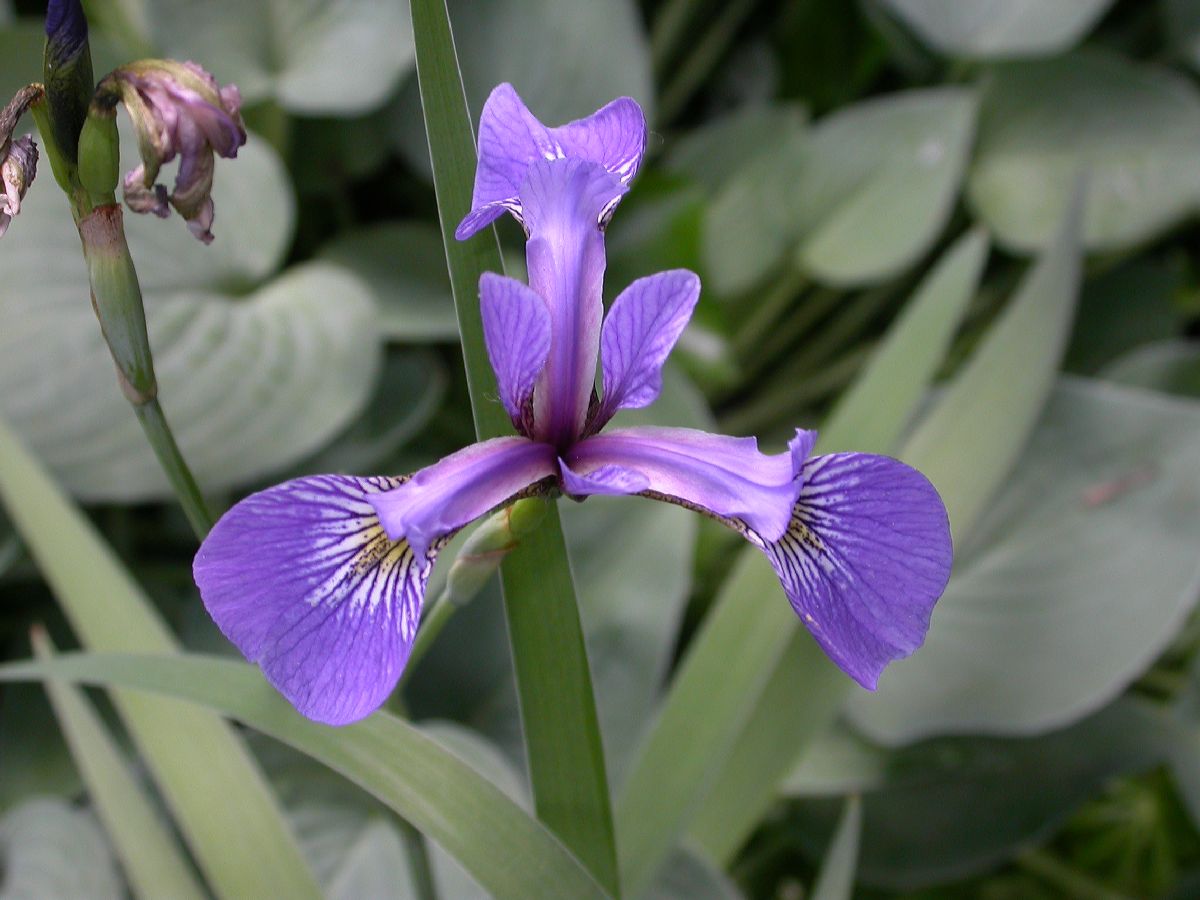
737 758
252 379
1172 367
295 52
711 154
510 854
566 58
835 881
947 808
150 858
999 28
1037 627
49 851
198 762
405 266
973 436
857 198
871 415
882 179
1133 129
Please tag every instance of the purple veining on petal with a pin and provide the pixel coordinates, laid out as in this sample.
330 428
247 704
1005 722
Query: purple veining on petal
563 202
638 335
865 557
610 480
460 488
303 580
511 139
726 476
516 329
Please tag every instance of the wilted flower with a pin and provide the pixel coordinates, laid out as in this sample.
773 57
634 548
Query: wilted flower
177 109
321 580
18 167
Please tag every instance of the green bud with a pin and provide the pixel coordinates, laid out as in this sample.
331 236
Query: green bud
100 155
67 72
483 552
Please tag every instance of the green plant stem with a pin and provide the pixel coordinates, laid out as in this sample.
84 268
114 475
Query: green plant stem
162 440
117 301
558 708
417 852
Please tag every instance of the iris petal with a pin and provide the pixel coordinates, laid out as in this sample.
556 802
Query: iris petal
511 139
303 580
725 476
641 328
865 557
516 329
460 488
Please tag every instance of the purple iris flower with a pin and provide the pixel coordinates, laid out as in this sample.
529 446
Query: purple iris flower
320 580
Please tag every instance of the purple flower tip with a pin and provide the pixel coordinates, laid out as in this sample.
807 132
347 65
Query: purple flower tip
66 29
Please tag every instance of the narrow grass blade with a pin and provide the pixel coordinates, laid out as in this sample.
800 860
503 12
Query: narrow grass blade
214 788
835 881
154 864
501 845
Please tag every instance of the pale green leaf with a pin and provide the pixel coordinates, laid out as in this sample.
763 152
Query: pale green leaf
882 179
506 850
51 851
405 267
1169 366
1133 129
1000 28
152 861
973 436
198 762
872 413
1037 627
313 57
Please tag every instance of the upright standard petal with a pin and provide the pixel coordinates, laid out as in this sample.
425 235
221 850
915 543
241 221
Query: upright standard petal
638 335
724 476
866 555
305 582
440 499
516 329
511 139
565 202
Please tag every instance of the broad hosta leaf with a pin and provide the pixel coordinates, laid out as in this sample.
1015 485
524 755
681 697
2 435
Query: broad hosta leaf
1037 627
313 57
405 267
1134 129
250 384
859 197
1169 366
50 850
948 807
709 155
1000 28
882 181
566 58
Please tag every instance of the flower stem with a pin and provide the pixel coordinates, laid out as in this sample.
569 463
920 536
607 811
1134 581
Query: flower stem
162 440
117 300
